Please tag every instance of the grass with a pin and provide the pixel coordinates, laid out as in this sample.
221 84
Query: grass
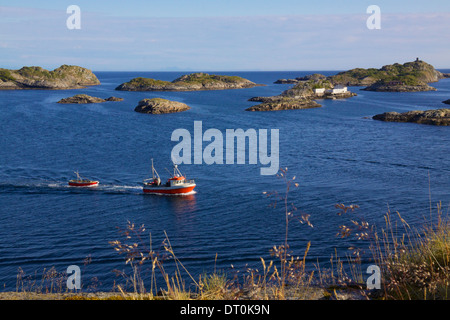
143 82
5 75
417 263
414 263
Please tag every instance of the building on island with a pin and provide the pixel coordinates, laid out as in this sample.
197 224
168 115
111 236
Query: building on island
338 89
319 91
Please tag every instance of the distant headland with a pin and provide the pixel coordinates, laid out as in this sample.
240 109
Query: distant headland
189 82
64 77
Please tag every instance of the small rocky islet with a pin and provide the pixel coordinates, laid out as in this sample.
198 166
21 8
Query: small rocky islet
160 106
302 95
439 117
84 99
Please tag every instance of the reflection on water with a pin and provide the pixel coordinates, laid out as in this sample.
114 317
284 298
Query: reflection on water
183 204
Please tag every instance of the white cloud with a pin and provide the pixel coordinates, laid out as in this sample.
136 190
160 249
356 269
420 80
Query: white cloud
308 42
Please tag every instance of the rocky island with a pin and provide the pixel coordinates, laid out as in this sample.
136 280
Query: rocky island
84 98
314 76
407 77
160 106
302 95
446 101
190 82
64 77
439 117
282 103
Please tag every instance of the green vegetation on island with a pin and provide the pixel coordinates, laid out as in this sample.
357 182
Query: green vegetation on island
190 82
407 77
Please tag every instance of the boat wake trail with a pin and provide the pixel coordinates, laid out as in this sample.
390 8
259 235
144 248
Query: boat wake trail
63 187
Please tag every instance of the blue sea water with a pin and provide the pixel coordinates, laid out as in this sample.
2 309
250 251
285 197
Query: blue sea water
337 153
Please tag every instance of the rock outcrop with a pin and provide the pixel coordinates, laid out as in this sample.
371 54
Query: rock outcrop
160 106
190 82
64 77
315 76
446 101
395 86
84 98
283 103
439 117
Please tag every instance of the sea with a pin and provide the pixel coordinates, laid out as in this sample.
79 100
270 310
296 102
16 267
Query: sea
337 155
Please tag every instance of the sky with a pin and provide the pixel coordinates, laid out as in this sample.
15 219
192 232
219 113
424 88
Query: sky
219 35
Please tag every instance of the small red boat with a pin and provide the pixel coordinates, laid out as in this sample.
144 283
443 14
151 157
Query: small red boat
175 185
82 182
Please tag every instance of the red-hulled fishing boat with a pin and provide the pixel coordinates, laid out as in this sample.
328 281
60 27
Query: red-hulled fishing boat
177 184
82 182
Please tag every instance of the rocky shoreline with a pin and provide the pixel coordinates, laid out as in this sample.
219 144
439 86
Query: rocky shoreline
395 87
439 117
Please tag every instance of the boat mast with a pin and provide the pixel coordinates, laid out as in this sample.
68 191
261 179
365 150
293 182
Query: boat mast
176 171
154 172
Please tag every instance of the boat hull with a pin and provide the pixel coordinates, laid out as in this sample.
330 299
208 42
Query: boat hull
83 184
168 190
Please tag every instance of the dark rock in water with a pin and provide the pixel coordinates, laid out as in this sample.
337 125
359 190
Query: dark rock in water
446 101
286 81
114 99
273 104
81 98
160 106
439 117
84 98
64 77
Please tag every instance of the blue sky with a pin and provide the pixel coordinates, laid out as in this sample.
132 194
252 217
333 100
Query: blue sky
223 35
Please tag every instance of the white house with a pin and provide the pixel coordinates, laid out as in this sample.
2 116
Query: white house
339 89
319 91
